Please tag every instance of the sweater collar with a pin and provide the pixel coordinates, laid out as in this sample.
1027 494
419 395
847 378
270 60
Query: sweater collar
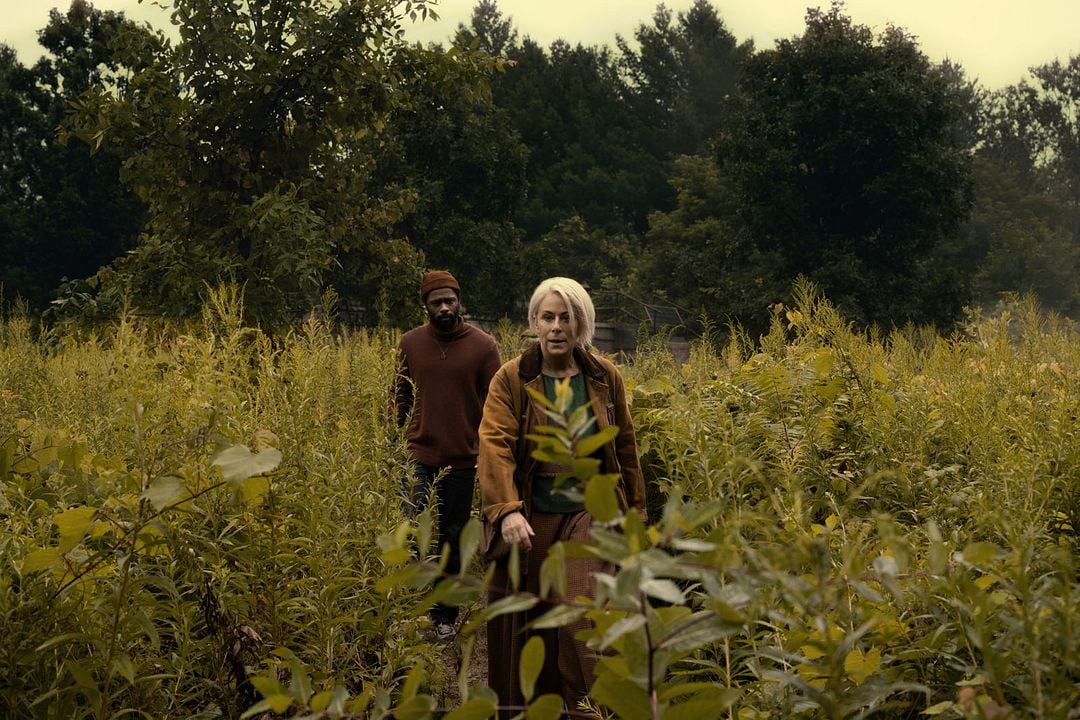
459 330
529 367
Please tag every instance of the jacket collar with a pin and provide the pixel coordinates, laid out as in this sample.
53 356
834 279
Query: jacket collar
529 367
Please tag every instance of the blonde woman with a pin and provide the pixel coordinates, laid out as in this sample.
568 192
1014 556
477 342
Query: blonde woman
517 492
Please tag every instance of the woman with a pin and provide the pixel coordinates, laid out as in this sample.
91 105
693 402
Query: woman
517 492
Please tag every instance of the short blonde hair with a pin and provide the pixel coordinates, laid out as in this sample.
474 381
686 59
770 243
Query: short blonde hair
578 303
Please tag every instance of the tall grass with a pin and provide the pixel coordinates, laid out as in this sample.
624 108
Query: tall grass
172 625
875 525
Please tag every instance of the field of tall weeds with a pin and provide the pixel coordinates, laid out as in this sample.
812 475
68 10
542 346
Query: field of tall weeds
200 521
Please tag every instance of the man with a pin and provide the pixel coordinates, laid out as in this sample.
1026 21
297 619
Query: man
445 368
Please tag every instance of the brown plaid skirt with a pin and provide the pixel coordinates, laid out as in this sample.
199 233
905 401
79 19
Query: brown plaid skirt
568 664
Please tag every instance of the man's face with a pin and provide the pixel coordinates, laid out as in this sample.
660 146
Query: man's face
442 308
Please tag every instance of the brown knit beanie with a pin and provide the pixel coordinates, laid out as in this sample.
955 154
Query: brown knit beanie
438 279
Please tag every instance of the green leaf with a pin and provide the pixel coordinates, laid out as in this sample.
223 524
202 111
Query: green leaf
553 572
600 498
859 666
470 541
727 613
254 489
545 707
321 700
619 628
676 691
123 666
475 709
697 631
510 604
257 709
558 616
415 708
593 443
553 457
280 703
530 664
692 545
163 490
300 682
267 685
585 468
412 682
663 589
424 526
39 560
73 525
580 422
398 579
980 553
238 463
360 703
623 697
938 708
709 704
881 376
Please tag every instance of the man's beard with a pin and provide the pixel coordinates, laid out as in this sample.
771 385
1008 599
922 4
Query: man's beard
444 323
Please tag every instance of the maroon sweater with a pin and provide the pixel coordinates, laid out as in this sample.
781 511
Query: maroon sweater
450 372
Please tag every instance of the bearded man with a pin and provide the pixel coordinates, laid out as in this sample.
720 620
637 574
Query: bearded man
445 367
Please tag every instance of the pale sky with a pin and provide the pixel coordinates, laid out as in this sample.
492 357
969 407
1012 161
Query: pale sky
995 41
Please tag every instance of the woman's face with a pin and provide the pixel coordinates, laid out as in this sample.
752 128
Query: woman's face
552 321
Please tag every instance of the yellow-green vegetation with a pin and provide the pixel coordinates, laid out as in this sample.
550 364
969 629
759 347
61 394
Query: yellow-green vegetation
843 525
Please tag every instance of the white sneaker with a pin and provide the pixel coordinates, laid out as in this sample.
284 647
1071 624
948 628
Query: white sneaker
444 632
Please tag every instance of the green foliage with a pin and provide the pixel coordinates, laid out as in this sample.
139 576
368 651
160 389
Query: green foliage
207 521
183 507
252 141
701 256
63 212
850 160
682 77
1023 241
568 105
854 526
464 166
1027 217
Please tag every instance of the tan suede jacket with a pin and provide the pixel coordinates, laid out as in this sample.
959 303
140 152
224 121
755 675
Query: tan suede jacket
499 431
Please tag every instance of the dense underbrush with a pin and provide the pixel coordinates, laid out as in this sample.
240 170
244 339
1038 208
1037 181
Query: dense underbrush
842 525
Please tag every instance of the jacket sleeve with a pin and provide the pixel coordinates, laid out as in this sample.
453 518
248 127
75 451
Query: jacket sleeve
498 441
626 449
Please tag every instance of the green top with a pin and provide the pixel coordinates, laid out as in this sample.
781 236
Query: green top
545 498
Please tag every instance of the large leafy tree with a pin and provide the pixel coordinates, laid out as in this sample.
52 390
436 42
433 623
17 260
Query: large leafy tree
252 139
701 255
463 167
682 74
1027 219
488 29
852 163
1022 240
569 106
63 213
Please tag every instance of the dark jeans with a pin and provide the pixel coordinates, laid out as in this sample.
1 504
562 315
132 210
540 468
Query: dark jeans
454 499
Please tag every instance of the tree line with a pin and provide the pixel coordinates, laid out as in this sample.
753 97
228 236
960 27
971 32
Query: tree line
299 146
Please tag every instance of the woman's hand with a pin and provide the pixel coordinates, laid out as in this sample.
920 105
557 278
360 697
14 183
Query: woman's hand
516 529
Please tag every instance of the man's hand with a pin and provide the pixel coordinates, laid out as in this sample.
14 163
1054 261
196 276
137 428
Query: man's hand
516 529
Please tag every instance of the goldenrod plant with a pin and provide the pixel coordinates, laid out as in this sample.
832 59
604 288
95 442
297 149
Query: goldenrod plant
205 521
